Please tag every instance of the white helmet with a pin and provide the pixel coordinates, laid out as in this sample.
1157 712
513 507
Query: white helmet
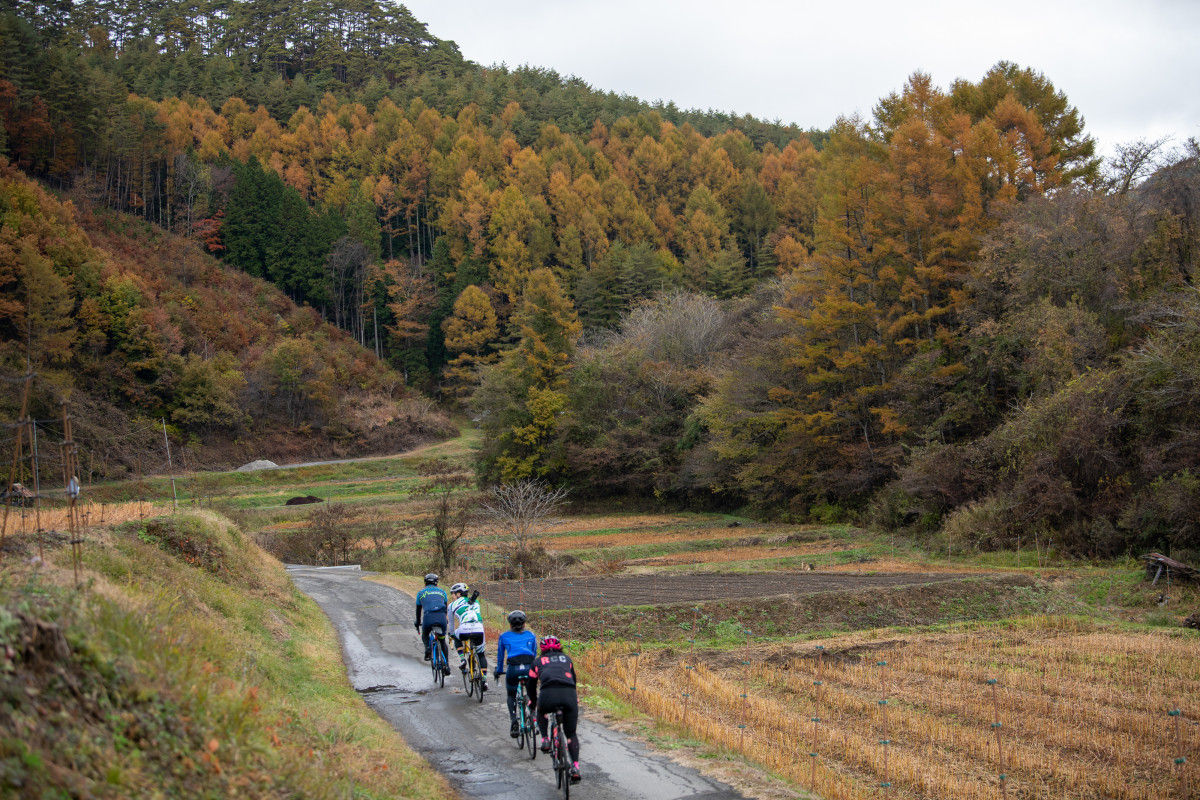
461 588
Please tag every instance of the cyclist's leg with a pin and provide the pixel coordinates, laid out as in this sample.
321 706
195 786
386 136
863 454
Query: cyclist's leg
480 656
562 697
462 656
480 651
425 628
511 679
442 643
570 709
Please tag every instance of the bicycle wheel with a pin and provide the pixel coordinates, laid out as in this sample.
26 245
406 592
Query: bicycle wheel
564 762
530 732
478 681
520 717
468 678
434 651
555 758
439 672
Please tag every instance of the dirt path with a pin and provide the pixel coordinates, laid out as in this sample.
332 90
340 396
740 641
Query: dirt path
466 740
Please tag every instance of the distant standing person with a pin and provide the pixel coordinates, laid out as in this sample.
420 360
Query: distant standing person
520 646
556 674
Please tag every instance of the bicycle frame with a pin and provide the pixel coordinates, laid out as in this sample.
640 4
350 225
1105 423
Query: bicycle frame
473 677
526 722
559 754
437 655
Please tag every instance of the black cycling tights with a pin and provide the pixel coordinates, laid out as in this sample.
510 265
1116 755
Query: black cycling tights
564 697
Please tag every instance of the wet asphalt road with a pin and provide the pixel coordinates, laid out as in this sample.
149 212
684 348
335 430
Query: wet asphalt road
466 740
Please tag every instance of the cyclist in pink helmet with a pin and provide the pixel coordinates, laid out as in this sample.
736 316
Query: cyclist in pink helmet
553 672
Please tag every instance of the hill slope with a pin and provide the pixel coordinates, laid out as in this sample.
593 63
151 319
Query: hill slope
136 325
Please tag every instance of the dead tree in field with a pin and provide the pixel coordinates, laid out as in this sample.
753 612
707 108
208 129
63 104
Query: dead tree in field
522 511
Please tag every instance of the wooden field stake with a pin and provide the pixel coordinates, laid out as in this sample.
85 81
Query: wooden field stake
637 656
37 497
885 741
1180 758
687 667
996 726
71 483
745 696
818 683
22 421
520 585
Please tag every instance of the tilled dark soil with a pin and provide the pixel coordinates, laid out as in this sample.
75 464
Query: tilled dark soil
778 605
595 592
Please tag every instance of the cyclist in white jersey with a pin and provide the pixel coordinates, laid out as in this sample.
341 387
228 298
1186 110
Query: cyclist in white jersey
468 627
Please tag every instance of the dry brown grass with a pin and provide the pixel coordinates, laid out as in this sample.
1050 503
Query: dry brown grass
891 565
645 537
91 515
1083 710
729 554
619 522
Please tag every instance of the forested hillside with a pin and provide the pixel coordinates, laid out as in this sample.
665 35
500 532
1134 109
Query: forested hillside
138 327
949 315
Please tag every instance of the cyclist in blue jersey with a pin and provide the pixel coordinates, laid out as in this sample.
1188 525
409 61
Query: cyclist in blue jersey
520 646
431 604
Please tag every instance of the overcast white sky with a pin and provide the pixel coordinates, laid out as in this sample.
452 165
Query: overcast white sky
1130 67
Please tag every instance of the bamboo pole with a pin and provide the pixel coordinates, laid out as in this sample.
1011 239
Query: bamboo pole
12 474
688 667
996 726
886 784
745 696
816 719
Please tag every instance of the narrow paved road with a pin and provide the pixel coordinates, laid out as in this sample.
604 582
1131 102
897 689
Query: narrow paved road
466 740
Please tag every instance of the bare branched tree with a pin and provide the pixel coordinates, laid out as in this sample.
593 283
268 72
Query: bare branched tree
681 327
1133 161
331 537
448 484
523 511
382 531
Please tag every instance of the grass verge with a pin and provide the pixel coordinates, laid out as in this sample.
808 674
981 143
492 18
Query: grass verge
187 666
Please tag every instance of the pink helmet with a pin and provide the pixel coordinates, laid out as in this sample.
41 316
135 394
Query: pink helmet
551 643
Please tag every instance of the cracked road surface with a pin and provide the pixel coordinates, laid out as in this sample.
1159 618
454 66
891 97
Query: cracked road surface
462 738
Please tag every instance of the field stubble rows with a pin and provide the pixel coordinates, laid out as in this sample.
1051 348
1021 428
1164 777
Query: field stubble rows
1083 710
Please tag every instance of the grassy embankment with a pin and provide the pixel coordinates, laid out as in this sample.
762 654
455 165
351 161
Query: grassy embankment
188 665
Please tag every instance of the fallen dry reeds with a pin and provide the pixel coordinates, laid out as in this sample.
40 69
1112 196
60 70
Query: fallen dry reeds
1084 710
28 521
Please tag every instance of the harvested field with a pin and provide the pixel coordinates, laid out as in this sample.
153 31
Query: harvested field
725 555
1083 709
559 594
626 538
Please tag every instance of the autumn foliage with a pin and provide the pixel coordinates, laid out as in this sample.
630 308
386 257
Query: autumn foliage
944 316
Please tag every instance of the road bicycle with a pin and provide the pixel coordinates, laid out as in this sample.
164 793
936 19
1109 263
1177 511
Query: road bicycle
560 756
472 675
437 655
526 722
